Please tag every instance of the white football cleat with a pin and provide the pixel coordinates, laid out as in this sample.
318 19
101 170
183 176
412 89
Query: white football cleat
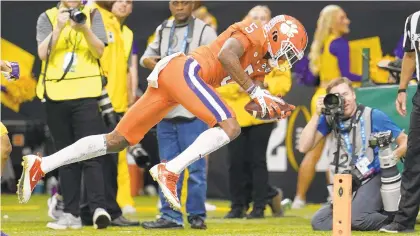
31 174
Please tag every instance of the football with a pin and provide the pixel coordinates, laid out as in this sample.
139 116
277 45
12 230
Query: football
255 110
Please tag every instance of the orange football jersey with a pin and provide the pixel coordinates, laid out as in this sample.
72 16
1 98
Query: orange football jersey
252 37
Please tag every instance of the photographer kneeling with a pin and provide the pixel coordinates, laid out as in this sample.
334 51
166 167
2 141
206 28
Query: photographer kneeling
375 199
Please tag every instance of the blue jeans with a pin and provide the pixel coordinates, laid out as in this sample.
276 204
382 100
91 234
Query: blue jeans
174 138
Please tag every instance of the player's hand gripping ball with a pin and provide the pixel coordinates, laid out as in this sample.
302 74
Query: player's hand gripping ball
255 110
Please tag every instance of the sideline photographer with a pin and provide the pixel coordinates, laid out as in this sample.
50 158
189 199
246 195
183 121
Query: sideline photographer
375 198
71 39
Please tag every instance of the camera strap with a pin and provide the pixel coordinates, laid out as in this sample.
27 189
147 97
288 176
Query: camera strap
187 37
70 62
353 126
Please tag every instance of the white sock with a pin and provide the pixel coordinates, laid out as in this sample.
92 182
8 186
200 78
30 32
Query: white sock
206 143
85 148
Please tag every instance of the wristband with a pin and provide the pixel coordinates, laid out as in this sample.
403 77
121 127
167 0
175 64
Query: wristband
402 91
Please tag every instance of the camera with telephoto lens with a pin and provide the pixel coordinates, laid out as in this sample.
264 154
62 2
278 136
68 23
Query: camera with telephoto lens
334 104
77 15
381 139
107 110
108 113
390 175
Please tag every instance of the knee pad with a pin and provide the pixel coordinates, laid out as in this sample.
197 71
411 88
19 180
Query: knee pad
391 183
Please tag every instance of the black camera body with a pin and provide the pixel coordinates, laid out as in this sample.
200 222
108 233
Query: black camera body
140 155
334 105
381 139
77 15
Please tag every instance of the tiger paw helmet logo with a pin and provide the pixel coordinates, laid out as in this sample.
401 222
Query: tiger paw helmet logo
289 28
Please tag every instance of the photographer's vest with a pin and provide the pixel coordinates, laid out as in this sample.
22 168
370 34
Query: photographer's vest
192 32
345 157
83 79
114 62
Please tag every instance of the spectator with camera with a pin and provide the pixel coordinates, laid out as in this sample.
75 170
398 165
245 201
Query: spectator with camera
352 125
180 128
70 42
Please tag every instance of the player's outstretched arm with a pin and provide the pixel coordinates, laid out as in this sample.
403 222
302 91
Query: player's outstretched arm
229 56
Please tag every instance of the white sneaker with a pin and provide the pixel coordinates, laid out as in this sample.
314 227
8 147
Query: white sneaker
101 219
66 221
210 207
128 210
55 207
298 203
286 204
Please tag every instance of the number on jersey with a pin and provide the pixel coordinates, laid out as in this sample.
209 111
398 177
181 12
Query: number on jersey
249 70
251 28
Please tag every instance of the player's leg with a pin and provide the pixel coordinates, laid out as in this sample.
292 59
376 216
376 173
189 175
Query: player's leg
306 174
197 177
141 117
239 176
201 100
307 167
259 136
205 103
169 147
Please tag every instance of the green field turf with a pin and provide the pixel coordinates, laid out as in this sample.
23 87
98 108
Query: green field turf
31 219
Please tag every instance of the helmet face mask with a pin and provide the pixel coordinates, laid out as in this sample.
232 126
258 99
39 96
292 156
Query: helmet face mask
287 55
286 39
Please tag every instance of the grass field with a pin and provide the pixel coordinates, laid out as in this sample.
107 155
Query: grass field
31 219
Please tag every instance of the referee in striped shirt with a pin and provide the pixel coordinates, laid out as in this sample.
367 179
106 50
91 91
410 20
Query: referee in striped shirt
405 219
